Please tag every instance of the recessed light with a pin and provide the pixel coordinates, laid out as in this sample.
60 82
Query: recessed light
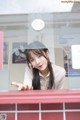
38 24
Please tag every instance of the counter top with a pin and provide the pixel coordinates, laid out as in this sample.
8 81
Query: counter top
40 96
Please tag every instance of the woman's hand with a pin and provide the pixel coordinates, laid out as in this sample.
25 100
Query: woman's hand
22 86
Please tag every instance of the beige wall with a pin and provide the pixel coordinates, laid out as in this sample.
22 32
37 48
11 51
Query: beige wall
59 57
16 74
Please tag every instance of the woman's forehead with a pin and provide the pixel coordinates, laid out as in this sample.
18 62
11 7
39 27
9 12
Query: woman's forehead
35 51
33 54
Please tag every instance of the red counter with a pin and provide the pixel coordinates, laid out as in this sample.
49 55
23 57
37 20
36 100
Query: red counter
40 105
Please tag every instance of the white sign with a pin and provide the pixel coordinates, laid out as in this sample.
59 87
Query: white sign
75 49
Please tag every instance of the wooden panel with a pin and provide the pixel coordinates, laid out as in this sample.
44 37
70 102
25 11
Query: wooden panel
28 116
52 106
7 107
73 116
52 116
72 106
28 107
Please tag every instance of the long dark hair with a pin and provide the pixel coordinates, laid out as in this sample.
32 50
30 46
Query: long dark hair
36 78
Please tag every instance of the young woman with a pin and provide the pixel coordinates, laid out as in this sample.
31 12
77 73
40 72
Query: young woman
40 73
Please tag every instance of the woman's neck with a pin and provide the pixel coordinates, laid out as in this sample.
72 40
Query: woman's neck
45 72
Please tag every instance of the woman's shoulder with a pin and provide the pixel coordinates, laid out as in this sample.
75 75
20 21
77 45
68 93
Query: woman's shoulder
28 69
59 75
58 69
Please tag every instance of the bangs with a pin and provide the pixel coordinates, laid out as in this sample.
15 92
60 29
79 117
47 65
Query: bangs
37 51
34 51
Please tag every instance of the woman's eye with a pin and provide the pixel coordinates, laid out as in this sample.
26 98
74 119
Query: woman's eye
31 60
39 55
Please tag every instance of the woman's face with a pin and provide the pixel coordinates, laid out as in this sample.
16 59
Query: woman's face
39 61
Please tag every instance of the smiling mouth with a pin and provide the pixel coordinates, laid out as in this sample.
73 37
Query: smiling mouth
40 66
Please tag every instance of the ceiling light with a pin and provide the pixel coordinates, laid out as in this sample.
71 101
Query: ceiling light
38 24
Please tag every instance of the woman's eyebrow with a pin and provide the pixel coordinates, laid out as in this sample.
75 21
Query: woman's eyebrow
30 57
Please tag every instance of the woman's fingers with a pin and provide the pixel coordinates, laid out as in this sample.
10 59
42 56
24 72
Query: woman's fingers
29 87
15 84
22 86
26 87
19 85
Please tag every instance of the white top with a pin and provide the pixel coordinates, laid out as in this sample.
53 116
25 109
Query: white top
59 78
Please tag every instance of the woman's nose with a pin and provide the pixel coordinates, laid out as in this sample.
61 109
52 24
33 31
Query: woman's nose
37 61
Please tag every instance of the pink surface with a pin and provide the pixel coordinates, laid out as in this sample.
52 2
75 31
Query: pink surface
1 50
52 116
73 115
28 105
28 116
39 96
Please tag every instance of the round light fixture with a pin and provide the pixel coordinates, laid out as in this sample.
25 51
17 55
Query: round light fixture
38 24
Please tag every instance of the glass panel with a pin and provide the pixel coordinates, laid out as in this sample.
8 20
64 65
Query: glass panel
61 31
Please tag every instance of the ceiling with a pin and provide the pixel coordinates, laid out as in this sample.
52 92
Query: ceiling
23 21
37 6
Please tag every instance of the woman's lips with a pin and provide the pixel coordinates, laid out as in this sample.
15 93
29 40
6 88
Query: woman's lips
40 66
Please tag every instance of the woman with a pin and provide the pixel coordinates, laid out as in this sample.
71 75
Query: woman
40 73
